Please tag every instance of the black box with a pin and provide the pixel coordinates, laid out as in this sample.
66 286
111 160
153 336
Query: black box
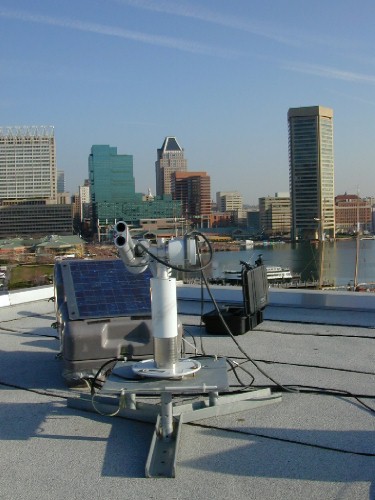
242 319
236 319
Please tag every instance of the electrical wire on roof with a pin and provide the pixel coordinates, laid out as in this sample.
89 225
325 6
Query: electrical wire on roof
96 382
234 366
333 368
283 440
286 388
323 335
278 384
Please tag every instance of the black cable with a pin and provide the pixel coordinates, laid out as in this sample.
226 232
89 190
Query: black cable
324 335
251 360
38 335
237 431
34 391
315 321
325 391
345 370
234 369
26 316
284 440
93 380
332 392
235 340
178 268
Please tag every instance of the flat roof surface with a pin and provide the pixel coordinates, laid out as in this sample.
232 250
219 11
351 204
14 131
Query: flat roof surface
309 446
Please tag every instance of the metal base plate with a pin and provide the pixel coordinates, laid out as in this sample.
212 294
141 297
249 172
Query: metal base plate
211 377
182 368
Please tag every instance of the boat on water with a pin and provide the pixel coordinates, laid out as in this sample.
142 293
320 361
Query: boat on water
280 273
275 274
365 287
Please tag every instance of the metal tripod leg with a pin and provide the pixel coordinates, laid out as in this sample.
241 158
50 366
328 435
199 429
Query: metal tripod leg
162 457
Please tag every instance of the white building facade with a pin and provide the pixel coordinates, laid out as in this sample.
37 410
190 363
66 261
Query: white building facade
27 163
229 201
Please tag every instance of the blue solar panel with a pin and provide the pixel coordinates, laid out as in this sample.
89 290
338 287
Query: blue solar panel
103 288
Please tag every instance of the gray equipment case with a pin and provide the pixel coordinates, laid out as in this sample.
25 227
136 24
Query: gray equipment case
87 343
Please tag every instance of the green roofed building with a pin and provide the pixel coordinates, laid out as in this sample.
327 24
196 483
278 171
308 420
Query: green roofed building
113 195
133 210
111 175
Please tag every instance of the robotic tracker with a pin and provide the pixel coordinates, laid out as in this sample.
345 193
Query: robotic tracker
166 374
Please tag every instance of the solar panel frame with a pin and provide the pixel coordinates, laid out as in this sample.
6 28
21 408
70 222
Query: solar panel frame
104 288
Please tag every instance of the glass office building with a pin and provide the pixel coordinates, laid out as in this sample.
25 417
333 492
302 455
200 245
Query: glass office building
113 195
110 174
311 172
111 182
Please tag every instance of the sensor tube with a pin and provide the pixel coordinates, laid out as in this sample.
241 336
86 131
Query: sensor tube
164 321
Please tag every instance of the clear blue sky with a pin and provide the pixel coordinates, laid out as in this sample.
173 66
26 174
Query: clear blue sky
219 75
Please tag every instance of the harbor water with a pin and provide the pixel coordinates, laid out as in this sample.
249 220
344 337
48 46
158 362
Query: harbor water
329 261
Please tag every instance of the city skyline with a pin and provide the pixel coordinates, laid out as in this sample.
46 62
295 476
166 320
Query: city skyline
217 75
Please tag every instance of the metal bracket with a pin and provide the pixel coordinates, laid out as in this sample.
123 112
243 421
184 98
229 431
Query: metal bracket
169 417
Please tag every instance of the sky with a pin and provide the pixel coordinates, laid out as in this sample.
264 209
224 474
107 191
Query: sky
219 75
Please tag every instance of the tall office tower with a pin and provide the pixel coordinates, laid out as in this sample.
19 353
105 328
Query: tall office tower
27 163
193 189
228 201
60 181
170 159
110 175
111 184
311 172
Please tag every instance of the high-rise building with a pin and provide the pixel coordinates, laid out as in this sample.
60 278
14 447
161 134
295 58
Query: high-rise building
29 204
110 175
170 158
27 163
111 183
228 201
193 189
311 172
113 195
